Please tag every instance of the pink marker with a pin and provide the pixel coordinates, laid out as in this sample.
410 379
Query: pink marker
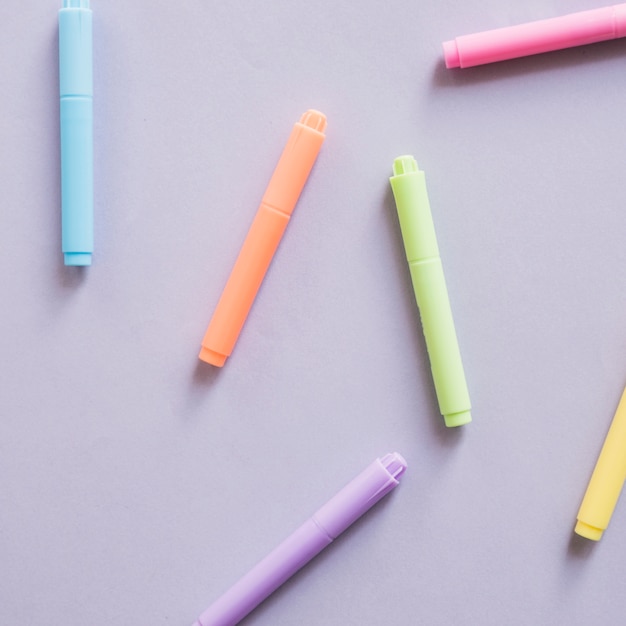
342 510
568 31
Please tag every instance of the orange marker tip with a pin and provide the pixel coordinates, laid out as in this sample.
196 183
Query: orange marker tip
211 357
314 119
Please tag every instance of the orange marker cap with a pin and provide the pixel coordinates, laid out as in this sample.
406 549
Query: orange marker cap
277 205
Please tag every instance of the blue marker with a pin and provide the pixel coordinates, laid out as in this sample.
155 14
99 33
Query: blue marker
76 87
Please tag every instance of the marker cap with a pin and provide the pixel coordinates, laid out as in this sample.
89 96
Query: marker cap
296 162
75 49
416 222
359 495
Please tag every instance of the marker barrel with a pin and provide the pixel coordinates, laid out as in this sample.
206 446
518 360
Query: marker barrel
76 92
357 497
431 293
262 240
568 31
606 481
260 582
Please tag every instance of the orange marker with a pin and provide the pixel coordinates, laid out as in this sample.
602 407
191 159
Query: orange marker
263 238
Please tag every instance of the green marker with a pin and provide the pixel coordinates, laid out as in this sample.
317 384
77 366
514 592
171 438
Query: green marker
420 243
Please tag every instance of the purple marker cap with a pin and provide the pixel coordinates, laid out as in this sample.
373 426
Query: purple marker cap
342 510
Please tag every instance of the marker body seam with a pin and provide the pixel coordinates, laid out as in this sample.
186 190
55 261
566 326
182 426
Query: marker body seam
430 259
322 529
276 209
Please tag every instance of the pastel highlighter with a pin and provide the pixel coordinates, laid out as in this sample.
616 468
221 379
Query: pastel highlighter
576 29
319 531
606 481
429 284
76 90
272 217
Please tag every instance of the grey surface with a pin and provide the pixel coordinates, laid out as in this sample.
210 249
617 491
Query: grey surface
137 484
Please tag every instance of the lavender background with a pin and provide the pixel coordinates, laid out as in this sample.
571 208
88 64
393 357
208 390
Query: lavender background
136 484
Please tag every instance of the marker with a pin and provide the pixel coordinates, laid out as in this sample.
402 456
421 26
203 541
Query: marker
422 252
357 497
606 481
76 89
263 238
576 29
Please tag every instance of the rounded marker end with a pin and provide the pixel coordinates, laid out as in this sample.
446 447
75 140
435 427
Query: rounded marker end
314 119
394 463
458 419
405 165
75 4
211 357
451 54
77 258
588 532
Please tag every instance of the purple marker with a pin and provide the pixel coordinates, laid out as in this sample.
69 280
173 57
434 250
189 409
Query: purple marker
357 497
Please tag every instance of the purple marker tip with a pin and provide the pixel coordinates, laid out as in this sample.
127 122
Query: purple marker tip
342 510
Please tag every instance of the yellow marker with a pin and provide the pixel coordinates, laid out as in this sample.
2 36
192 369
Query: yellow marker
606 481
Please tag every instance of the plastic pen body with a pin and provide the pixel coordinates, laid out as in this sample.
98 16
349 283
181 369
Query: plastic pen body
606 481
263 238
576 29
310 539
429 284
76 90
